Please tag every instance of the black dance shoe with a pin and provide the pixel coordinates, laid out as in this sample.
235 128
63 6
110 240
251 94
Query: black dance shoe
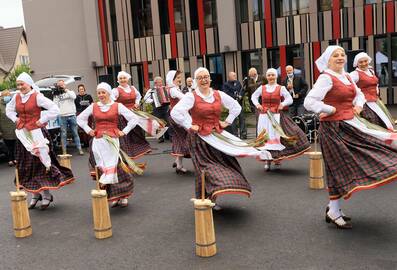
45 206
328 220
34 201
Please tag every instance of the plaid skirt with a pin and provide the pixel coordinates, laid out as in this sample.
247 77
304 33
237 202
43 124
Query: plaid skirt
372 117
32 173
134 143
125 186
353 160
292 129
223 174
180 146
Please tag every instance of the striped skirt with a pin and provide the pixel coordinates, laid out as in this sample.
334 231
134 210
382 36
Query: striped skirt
223 173
134 143
180 146
353 160
32 173
123 189
291 129
372 117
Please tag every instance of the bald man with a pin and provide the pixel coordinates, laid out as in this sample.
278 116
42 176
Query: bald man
297 87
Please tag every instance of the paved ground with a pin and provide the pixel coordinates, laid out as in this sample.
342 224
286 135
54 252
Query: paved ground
281 227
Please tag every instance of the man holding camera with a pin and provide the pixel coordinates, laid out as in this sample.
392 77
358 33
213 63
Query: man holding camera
234 89
64 98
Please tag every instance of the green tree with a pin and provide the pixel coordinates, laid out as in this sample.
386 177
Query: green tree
10 80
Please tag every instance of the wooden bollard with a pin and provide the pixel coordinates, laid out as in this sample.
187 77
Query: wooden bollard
100 212
316 180
65 160
204 224
20 213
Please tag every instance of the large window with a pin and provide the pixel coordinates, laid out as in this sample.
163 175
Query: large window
163 15
370 1
243 10
273 59
193 14
179 16
209 13
251 59
113 22
394 60
215 66
382 60
291 7
295 58
257 10
142 18
324 5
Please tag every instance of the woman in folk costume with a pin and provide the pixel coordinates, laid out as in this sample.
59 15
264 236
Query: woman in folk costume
105 149
286 139
213 149
356 157
180 148
135 143
38 168
364 76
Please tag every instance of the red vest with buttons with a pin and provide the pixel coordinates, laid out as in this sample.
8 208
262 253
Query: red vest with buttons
127 99
341 97
207 115
368 85
271 101
106 122
28 112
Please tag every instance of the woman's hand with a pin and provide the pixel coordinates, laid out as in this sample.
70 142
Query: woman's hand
259 108
39 124
194 128
322 115
358 109
223 124
280 107
92 133
120 133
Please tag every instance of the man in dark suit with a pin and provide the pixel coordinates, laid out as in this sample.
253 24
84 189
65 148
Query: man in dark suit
297 87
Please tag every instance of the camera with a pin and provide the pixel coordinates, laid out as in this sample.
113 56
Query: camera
57 90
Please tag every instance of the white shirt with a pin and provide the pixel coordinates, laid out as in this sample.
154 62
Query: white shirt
82 118
51 112
65 102
115 93
270 89
313 101
175 92
356 77
148 96
180 113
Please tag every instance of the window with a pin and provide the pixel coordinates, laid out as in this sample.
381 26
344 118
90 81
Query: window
273 59
164 19
209 13
370 1
295 58
243 10
179 16
251 59
291 7
257 10
142 18
382 60
215 67
394 60
186 67
24 59
113 22
193 14
324 5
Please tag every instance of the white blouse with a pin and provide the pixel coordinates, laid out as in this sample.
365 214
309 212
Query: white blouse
175 92
180 113
313 101
82 118
270 89
115 93
51 112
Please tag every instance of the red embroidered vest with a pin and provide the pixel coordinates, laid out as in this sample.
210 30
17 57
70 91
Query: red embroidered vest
28 113
173 101
271 101
127 99
368 85
106 122
206 115
341 97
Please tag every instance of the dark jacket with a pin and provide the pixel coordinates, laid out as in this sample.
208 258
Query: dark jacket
82 102
7 127
233 89
300 87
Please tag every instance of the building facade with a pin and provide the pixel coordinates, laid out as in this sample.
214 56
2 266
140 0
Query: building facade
149 37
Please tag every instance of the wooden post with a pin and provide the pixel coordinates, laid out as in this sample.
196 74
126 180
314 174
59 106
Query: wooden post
204 224
100 211
316 180
20 213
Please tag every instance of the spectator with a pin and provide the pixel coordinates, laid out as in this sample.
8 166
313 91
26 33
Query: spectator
83 100
189 86
251 83
65 102
235 90
7 129
297 87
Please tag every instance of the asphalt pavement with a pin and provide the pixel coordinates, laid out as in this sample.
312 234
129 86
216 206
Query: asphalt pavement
280 227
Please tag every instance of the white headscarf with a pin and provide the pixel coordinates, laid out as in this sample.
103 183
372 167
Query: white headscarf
24 77
196 72
360 56
272 71
104 86
123 74
170 77
322 61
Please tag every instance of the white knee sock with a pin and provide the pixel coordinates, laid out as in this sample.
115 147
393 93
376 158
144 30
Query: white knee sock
334 206
46 194
179 162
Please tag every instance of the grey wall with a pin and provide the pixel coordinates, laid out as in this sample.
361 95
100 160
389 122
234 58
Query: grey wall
63 38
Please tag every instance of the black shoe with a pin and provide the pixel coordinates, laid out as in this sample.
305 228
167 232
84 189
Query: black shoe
34 201
328 219
174 165
161 140
45 206
347 225
181 171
